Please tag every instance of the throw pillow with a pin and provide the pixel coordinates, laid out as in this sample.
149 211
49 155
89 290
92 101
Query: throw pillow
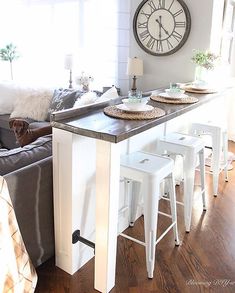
33 104
96 97
63 99
86 99
109 94
11 160
8 95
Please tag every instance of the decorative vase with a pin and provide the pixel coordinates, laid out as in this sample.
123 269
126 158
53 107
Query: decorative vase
201 75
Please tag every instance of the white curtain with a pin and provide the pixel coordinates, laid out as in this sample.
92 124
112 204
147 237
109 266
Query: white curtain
44 31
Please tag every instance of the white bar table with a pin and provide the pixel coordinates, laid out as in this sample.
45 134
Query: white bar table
86 139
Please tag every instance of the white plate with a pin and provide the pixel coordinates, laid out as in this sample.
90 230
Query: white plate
166 96
143 109
196 88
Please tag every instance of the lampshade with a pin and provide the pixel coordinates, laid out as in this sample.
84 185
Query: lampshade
135 66
68 62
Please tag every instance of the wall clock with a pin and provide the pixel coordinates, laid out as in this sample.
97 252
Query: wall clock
161 27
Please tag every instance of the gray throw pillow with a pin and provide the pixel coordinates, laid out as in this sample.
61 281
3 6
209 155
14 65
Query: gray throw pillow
11 160
63 99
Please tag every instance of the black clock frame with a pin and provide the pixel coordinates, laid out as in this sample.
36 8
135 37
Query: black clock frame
181 43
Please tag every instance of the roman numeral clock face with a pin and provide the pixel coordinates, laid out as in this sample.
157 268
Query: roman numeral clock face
161 27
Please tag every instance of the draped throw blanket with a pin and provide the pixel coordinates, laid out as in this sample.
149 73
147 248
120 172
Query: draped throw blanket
17 273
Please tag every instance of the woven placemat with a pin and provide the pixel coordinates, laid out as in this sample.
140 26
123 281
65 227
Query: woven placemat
195 91
113 111
188 100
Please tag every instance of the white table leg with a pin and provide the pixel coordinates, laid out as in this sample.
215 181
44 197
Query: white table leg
107 194
74 168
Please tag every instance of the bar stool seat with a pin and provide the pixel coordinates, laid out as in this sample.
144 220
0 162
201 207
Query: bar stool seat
219 138
189 148
150 170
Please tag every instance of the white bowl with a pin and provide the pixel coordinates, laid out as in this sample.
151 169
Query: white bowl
174 94
200 84
135 104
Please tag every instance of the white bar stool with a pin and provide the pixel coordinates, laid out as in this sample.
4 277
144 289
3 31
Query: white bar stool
189 148
219 138
149 170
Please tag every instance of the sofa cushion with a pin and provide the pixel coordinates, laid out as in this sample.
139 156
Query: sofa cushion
7 137
11 160
4 121
63 99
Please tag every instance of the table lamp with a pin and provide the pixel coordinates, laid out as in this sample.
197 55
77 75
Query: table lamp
68 65
134 68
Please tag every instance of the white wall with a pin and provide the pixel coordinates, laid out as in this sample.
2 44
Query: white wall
159 71
124 30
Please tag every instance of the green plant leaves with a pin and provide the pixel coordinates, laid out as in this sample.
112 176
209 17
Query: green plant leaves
205 59
9 53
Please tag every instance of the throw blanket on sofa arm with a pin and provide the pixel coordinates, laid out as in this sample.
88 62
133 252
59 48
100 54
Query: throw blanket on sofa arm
17 274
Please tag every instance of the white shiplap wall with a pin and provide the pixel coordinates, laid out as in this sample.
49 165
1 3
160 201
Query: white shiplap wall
123 43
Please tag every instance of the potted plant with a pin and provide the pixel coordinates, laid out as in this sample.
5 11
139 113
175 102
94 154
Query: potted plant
204 61
9 53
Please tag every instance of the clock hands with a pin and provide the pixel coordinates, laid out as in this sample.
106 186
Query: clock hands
161 26
160 23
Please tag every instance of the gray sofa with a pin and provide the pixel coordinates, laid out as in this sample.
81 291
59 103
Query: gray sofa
28 173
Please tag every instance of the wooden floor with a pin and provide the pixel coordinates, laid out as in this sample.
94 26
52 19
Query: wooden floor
204 262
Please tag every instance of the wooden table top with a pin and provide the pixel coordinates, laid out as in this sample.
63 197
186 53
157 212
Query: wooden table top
90 121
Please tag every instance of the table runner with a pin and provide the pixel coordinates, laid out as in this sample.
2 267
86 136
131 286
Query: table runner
17 273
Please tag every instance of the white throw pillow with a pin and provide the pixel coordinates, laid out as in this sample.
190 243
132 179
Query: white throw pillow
86 99
109 94
9 92
33 103
92 98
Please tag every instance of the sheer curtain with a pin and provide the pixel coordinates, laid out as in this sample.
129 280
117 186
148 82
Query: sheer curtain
44 31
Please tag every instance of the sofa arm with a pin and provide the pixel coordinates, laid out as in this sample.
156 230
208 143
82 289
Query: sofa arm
31 192
15 159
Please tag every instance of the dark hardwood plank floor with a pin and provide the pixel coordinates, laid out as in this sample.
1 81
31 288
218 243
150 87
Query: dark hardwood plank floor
204 262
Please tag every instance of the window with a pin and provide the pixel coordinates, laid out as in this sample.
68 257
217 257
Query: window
44 31
228 54
228 31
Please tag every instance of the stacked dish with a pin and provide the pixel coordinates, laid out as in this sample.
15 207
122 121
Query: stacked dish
174 94
199 89
134 105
